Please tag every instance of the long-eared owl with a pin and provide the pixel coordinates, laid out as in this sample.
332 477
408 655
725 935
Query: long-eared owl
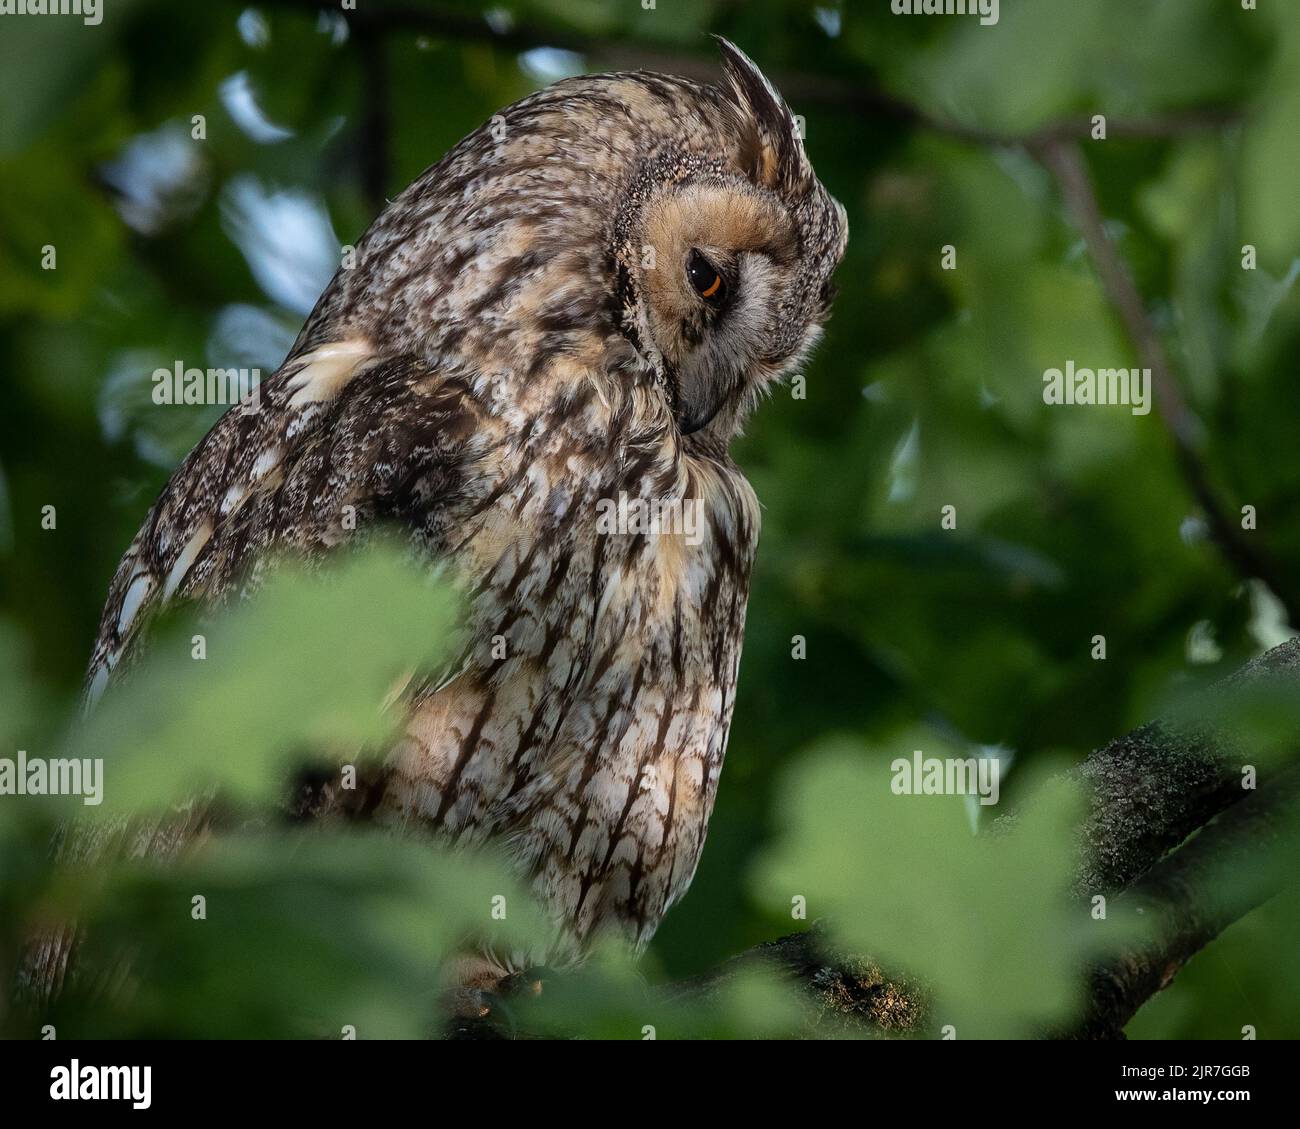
570 315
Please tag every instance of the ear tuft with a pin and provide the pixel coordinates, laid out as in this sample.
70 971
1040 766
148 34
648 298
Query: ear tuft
772 149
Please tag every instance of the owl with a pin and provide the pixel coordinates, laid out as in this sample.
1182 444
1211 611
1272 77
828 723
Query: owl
534 370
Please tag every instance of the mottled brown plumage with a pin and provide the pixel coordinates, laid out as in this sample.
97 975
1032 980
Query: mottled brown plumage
520 339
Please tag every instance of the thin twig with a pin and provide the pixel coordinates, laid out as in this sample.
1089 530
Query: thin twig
1065 161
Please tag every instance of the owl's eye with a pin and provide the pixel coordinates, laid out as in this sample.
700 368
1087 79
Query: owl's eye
706 279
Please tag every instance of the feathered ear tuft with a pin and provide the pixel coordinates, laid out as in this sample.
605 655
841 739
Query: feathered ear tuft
773 151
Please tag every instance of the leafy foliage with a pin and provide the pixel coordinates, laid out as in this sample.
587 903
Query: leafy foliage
968 915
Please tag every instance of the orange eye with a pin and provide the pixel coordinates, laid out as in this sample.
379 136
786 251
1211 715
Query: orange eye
706 279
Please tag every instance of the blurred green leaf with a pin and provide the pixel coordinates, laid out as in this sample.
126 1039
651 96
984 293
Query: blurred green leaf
984 921
306 667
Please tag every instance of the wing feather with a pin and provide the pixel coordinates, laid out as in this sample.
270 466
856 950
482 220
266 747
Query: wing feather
390 437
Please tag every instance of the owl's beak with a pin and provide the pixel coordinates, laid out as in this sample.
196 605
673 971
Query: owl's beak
697 398
691 418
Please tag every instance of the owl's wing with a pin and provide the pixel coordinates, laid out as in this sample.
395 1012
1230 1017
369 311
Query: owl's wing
335 440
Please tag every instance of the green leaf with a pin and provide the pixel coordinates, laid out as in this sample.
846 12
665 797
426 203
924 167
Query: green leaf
984 921
305 668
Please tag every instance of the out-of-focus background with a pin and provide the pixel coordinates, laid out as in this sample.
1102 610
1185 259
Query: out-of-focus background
194 170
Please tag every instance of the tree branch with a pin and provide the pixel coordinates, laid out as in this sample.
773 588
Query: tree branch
1153 787
1191 904
1150 790
848 992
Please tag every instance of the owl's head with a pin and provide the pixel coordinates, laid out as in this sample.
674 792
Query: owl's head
646 231
725 248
